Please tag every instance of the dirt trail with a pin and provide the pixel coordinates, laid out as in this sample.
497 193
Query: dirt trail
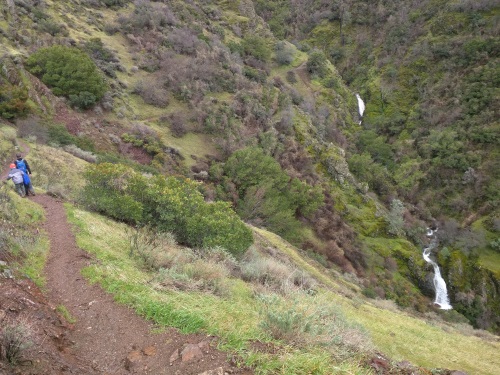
109 337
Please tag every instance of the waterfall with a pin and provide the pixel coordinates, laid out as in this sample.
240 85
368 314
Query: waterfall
361 107
439 284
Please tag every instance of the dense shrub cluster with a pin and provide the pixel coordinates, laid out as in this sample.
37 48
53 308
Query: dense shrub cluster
169 204
12 100
265 194
13 94
69 72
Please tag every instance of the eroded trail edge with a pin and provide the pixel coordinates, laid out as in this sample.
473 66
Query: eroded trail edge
110 337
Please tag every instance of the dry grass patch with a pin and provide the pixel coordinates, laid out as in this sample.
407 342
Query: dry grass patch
15 338
56 171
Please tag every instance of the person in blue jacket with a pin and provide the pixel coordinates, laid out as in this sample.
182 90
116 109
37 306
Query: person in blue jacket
22 164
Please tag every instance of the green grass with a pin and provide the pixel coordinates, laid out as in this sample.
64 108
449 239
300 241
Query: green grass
30 249
234 318
61 309
34 263
491 260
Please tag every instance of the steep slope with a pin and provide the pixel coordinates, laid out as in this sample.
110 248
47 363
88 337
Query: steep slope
207 86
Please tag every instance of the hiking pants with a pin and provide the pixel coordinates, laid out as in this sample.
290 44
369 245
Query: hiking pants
20 189
29 189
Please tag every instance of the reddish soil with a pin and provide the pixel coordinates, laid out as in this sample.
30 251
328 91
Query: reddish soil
107 338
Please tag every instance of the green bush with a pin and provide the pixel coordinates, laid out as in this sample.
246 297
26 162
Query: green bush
107 192
12 101
69 72
317 64
267 195
257 47
284 53
169 204
59 134
216 224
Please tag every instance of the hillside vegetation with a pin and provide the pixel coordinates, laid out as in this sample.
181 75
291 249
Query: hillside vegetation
209 125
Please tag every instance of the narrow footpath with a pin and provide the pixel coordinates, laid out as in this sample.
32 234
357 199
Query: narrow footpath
110 338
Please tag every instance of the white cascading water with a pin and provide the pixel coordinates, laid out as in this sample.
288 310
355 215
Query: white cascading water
361 106
442 299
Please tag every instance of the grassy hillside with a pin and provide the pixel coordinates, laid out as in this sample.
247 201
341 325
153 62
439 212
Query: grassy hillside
263 114
236 310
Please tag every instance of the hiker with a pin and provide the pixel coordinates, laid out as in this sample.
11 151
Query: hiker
23 165
28 188
17 178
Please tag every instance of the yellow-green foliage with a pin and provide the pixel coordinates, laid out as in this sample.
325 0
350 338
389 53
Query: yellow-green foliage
56 171
61 309
21 238
170 204
7 139
235 319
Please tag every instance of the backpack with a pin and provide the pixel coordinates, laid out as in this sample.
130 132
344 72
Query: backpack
21 164
26 179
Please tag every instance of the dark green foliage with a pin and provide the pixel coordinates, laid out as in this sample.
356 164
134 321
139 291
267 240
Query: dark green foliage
103 57
284 53
108 191
216 224
266 194
473 290
377 147
168 204
317 64
69 72
115 3
257 47
367 170
12 100
59 135
278 16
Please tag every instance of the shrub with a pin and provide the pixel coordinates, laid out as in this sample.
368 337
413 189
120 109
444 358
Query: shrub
151 247
183 41
12 100
177 125
291 77
169 204
115 3
274 274
106 191
79 153
69 72
215 224
267 195
317 64
284 53
312 321
257 47
51 27
31 127
152 93
14 340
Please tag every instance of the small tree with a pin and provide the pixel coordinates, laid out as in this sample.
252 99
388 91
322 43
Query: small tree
317 64
284 53
69 72
257 47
